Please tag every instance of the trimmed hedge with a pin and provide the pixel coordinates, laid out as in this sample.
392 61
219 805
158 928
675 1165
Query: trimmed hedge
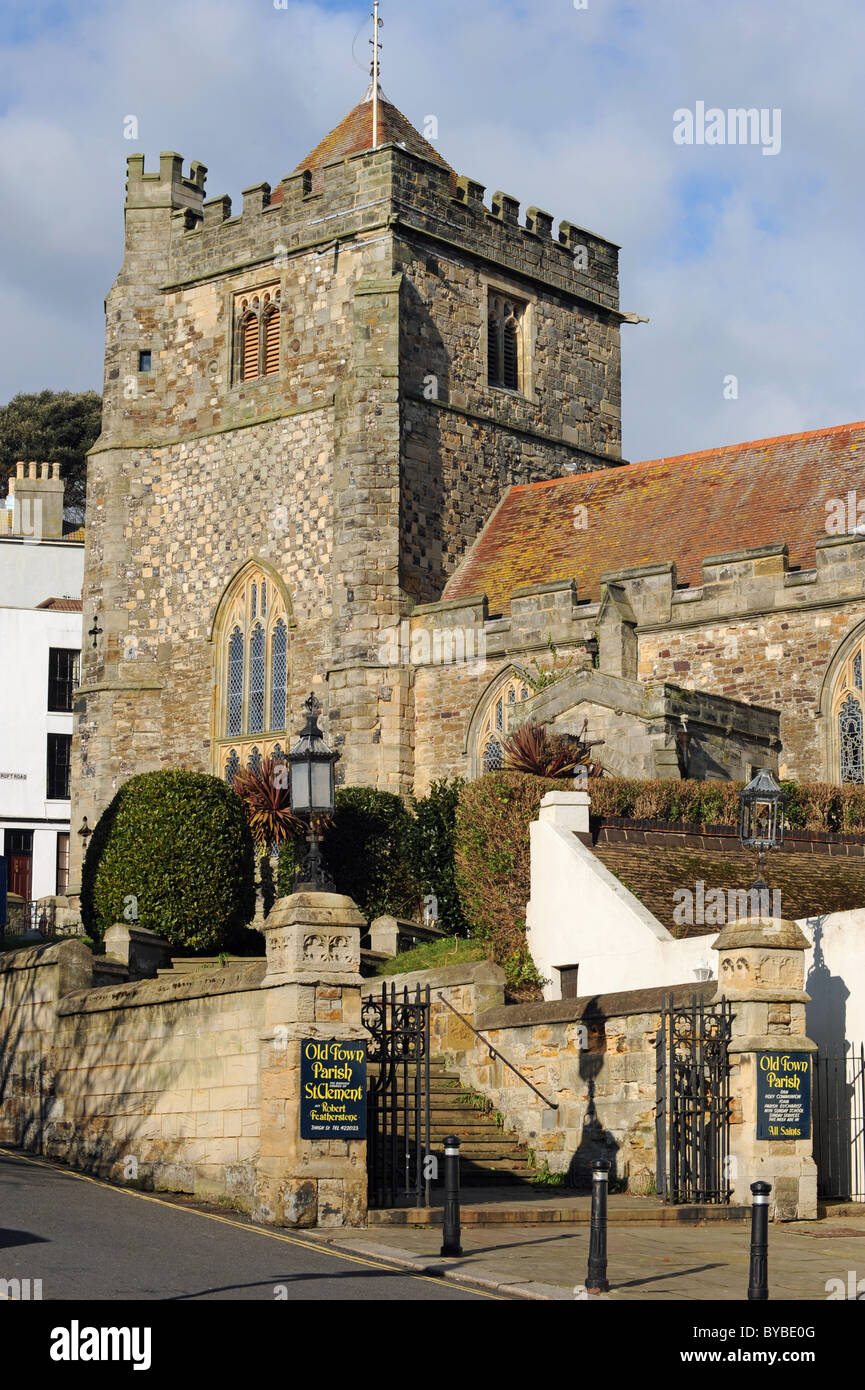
432 852
368 849
179 844
493 867
809 805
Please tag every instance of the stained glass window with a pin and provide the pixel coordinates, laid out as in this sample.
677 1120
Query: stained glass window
235 683
279 670
232 767
256 681
255 760
850 740
493 756
500 714
857 670
253 671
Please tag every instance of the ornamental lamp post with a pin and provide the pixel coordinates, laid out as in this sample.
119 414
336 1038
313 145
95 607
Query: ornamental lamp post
312 796
761 820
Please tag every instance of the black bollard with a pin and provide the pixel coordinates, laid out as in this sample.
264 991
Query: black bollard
758 1282
451 1233
596 1278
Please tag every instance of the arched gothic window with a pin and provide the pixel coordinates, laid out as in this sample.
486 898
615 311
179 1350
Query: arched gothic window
505 346
257 334
847 716
497 720
250 637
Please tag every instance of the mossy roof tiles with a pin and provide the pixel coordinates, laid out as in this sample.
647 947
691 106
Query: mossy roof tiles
353 135
683 509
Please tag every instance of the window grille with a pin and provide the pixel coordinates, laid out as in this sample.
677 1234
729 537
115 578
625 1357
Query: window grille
235 683
256 681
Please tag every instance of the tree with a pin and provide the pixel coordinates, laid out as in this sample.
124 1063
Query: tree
52 427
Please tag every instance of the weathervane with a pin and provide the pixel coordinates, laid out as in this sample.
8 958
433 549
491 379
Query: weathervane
376 46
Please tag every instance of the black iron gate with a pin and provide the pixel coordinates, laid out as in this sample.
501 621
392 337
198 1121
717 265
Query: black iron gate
839 1123
398 1096
692 1101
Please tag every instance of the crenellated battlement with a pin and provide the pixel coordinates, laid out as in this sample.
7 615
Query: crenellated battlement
388 187
168 187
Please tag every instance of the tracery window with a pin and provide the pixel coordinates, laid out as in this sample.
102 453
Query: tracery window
257 334
848 715
498 719
251 648
505 346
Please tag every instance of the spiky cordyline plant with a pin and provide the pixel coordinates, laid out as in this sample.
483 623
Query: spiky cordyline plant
532 748
263 789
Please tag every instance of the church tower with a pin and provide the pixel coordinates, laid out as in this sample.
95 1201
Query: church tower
311 407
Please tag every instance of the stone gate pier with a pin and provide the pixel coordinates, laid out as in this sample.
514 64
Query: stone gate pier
761 971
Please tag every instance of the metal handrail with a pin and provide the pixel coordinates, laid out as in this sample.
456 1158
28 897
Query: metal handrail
494 1052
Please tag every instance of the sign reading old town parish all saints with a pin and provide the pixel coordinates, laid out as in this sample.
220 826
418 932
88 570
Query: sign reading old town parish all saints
332 1089
783 1095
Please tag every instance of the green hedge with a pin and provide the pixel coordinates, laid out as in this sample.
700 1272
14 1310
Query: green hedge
174 848
809 805
432 852
493 867
368 848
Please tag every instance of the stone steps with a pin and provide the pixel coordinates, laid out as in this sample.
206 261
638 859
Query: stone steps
489 1154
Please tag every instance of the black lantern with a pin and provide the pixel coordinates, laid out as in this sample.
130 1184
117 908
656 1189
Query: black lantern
761 819
312 796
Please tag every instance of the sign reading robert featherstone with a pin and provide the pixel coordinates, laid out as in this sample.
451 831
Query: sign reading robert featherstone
783 1095
332 1089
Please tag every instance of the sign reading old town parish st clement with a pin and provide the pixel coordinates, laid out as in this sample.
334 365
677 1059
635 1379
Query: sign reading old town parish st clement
332 1089
783 1095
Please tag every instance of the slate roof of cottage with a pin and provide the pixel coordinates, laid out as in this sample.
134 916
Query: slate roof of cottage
353 135
812 880
683 509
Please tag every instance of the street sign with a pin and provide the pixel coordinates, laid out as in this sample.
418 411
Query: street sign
783 1095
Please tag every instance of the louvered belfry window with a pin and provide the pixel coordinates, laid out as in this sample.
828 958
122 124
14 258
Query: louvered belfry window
271 341
505 325
257 317
249 348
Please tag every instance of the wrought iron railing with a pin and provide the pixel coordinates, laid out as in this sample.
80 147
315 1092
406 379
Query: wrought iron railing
839 1123
494 1052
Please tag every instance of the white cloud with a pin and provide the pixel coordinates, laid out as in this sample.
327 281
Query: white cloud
744 264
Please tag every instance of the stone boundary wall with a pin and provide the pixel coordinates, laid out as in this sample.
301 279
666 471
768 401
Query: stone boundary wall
595 1057
153 1083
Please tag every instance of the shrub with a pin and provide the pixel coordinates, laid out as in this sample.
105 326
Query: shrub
432 852
367 846
493 866
179 844
533 748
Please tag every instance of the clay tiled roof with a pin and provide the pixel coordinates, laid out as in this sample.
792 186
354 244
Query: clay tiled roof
810 884
353 135
681 509
62 605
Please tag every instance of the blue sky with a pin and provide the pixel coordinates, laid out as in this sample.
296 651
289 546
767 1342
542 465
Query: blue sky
746 265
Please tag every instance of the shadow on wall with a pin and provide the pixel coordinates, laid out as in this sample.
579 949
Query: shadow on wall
837 1118
596 1142
117 1125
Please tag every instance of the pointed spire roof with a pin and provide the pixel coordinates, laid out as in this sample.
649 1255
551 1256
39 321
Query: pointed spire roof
353 135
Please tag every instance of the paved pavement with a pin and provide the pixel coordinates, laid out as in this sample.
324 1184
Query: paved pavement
645 1261
86 1240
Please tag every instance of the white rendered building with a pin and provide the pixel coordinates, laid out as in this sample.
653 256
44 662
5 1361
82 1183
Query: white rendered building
41 572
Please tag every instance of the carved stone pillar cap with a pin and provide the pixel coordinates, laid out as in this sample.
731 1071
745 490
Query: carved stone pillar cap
315 909
770 933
